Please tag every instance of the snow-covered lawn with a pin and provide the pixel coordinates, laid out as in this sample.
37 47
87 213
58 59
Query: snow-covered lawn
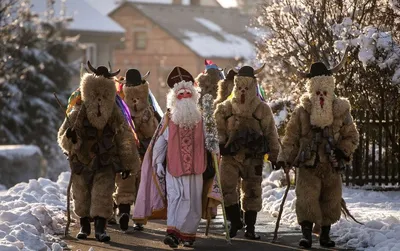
31 214
379 211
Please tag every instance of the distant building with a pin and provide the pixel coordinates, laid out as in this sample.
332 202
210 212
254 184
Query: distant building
180 33
250 7
98 33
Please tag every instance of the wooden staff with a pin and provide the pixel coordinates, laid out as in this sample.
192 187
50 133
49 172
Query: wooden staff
286 170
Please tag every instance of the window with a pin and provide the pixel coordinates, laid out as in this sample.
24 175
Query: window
90 53
140 38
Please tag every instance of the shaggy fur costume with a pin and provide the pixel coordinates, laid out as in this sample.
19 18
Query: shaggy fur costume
92 187
225 88
208 82
137 99
319 184
247 115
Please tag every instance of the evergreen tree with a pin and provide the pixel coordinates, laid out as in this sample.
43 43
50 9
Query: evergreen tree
33 66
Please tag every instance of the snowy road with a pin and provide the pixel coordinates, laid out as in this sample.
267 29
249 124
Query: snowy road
33 213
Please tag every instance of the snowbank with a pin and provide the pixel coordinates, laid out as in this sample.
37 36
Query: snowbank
379 211
19 163
32 213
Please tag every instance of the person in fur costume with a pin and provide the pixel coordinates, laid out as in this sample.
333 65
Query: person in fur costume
99 144
246 132
322 136
208 79
225 87
135 93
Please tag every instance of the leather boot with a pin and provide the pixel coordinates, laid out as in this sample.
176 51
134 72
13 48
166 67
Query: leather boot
99 229
306 229
324 239
171 240
138 227
124 211
250 218
84 232
234 216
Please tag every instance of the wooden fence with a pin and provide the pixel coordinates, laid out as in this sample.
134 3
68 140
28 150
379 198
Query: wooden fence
376 162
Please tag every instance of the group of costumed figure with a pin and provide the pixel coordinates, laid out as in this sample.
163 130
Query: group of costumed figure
206 150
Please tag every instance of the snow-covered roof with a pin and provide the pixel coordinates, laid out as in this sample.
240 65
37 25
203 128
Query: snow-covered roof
108 6
85 17
207 31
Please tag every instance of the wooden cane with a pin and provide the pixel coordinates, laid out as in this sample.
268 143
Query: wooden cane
281 206
68 207
286 191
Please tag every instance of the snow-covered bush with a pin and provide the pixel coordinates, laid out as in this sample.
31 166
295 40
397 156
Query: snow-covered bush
305 31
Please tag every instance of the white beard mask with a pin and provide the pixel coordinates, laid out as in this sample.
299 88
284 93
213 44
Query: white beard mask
184 112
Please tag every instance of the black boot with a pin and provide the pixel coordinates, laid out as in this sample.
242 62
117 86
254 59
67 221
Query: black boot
250 218
171 240
233 213
138 227
99 229
84 232
306 229
124 211
324 239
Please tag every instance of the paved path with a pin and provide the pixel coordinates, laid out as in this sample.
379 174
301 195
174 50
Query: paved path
151 238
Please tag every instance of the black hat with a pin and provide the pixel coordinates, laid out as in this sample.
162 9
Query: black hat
177 75
230 75
102 71
134 78
248 71
318 69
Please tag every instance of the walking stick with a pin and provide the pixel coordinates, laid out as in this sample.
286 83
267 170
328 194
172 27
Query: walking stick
286 170
211 138
70 178
281 206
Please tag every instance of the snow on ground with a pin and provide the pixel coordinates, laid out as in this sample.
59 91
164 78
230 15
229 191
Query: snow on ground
379 211
32 213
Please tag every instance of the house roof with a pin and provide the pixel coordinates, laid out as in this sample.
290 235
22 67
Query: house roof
207 31
108 6
85 17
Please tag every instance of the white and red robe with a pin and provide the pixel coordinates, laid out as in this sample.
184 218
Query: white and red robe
184 152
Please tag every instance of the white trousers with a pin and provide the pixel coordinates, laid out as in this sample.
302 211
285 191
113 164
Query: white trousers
184 205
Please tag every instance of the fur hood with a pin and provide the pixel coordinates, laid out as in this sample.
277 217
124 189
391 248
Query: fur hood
340 105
